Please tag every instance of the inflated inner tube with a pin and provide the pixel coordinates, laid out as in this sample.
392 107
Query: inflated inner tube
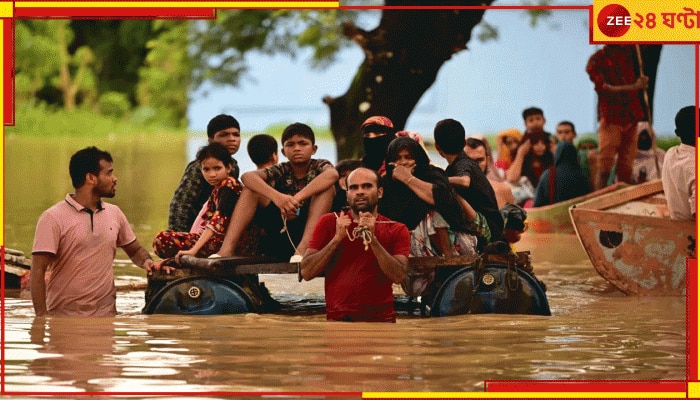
200 295
490 289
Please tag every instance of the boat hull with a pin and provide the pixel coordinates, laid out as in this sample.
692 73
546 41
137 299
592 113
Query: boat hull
554 218
632 244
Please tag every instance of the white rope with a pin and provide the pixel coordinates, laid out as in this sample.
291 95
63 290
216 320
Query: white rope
284 229
361 231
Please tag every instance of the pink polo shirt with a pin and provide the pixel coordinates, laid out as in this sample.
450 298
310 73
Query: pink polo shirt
81 282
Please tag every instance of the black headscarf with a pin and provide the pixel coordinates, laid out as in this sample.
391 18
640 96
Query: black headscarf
563 181
401 204
375 150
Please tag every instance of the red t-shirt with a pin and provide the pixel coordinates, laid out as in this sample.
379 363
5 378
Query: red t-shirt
356 288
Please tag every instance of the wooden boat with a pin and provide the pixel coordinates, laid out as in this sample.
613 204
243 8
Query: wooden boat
554 218
501 283
632 242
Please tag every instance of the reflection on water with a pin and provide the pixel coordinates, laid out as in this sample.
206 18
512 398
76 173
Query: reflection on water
591 335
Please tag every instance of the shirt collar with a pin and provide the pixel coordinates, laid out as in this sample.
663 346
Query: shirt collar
79 207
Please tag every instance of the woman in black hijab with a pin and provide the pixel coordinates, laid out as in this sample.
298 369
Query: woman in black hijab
416 194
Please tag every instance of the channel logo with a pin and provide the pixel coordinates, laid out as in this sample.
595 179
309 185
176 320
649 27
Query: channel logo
614 20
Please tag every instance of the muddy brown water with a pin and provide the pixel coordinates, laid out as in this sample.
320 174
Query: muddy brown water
594 333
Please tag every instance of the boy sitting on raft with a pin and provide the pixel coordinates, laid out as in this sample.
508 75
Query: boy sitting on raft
289 197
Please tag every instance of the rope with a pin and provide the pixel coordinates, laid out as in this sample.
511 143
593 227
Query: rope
359 231
362 231
285 230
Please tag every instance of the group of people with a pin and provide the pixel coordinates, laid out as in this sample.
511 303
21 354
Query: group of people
357 222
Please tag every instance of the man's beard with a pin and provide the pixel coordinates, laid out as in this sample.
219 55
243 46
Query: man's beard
368 206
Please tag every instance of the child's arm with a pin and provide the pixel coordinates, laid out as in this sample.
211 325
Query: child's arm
203 239
323 181
515 170
462 181
257 182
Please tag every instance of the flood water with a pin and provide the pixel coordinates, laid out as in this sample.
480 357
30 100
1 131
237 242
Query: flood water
594 333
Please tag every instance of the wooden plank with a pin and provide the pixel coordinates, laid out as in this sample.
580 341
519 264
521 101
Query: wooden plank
241 265
228 267
623 195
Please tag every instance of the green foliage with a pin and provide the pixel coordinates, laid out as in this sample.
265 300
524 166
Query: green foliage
320 132
666 142
538 13
113 104
165 78
36 53
50 121
110 66
224 43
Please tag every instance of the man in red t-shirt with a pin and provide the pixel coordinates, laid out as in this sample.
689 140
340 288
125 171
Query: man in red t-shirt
360 253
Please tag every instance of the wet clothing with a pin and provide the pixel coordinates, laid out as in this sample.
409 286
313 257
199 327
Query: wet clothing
215 216
564 180
84 243
356 288
191 194
620 140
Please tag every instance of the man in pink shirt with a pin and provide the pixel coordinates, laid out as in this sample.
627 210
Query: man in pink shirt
77 239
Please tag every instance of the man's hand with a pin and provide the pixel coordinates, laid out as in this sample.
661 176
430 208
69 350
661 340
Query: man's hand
642 82
341 226
367 220
158 265
148 265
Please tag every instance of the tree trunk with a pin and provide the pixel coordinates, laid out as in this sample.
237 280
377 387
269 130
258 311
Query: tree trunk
402 58
65 81
651 54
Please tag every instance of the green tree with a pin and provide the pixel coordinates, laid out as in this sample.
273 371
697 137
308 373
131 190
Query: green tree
74 70
165 78
36 60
